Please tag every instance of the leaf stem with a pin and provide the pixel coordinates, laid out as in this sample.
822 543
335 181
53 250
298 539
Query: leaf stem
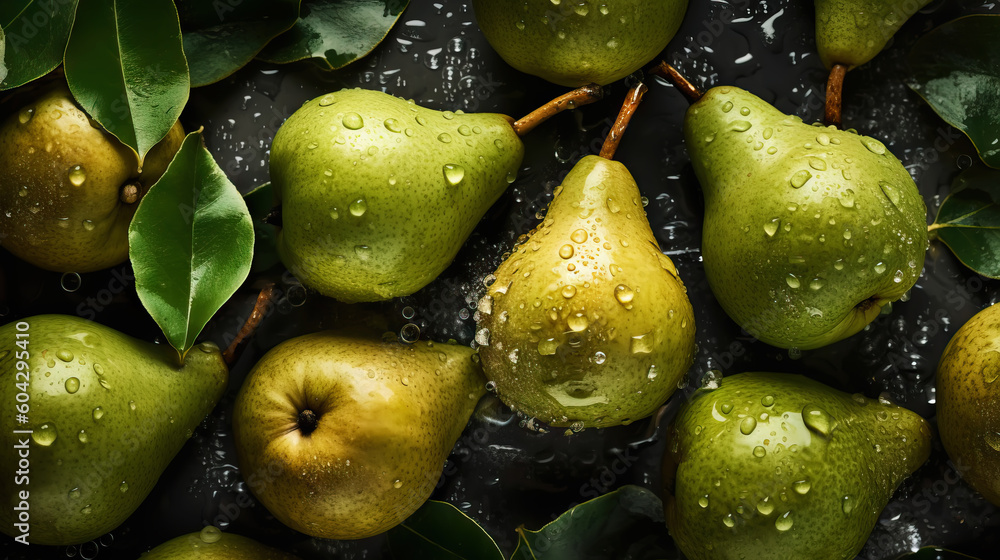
260 308
614 138
671 74
835 95
577 98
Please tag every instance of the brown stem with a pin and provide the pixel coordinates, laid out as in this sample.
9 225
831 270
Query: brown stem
835 94
624 116
253 321
130 193
671 74
576 98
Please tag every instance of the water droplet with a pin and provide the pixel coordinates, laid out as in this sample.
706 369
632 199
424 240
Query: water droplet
86 510
784 522
104 383
727 408
741 126
82 436
792 281
703 501
728 106
653 372
353 121
600 358
77 175
312 146
624 295
45 434
409 333
817 164
358 208
363 252
767 400
823 139
578 322
818 420
800 178
890 192
874 146
847 198
765 507
548 346
89 225
25 115
579 236
210 534
847 234
65 355
759 452
131 405
728 521
748 425
98 413
569 291
392 125
642 344
454 174
801 486
771 227
566 251
75 493
847 505
72 385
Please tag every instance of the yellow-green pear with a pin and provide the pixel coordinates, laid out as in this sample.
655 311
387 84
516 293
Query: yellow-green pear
348 433
94 417
212 544
809 231
378 194
68 188
852 32
968 402
773 466
577 42
587 322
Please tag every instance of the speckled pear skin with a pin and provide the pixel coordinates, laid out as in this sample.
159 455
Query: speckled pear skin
852 32
379 194
388 416
968 402
588 323
116 427
809 231
48 219
215 545
577 42
777 466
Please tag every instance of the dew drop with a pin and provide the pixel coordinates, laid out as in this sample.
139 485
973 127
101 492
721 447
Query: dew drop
548 346
77 175
569 291
748 425
72 385
358 208
65 355
817 164
741 126
728 106
454 174
98 413
392 125
600 358
771 227
364 252
765 507
890 192
45 434
801 486
792 281
579 236
848 503
800 178
642 344
578 322
759 452
353 121
624 295
25 115
703 501
566 251
874 146
818 420
784 522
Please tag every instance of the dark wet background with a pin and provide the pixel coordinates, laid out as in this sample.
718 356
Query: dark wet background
500 473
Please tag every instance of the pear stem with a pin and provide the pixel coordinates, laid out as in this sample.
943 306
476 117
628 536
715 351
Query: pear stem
614 138
671 74
835 94
577 98
260 308
130 193
308 421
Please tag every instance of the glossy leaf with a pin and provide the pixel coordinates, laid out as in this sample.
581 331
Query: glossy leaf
260 202
935 553
35 35
125 66
220 37
335 32
626 523
190 243
441 531
969 220
955 69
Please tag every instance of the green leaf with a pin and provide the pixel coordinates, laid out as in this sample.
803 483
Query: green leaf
935 553
969 220
190 243
439 530
220 37
626 523
125 66
3 63
35 34
954 68
335 32
260 202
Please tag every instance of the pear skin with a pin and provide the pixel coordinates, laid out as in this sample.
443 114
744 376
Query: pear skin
809 231
61 185
348 434
107 413
852 32
968 402
212 544
577 43
776 466
587 322
378 194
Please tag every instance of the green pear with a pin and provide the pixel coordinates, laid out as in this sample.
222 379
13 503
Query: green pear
968 402
378 194
809 231
577 42
68 188
852 32
587 323
104 414
344 435
776 466
212 544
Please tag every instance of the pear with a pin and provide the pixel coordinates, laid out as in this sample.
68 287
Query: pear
852 32
104 414
378 194
809 231
68 188
580 41
968 402
212 544
588 323
776 466
345 435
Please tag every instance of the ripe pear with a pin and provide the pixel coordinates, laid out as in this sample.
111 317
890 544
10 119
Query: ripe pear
212 544
968 402
350 433
809 231
378 194
68 188
578 42
588 323
104 415
852 32
776 466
